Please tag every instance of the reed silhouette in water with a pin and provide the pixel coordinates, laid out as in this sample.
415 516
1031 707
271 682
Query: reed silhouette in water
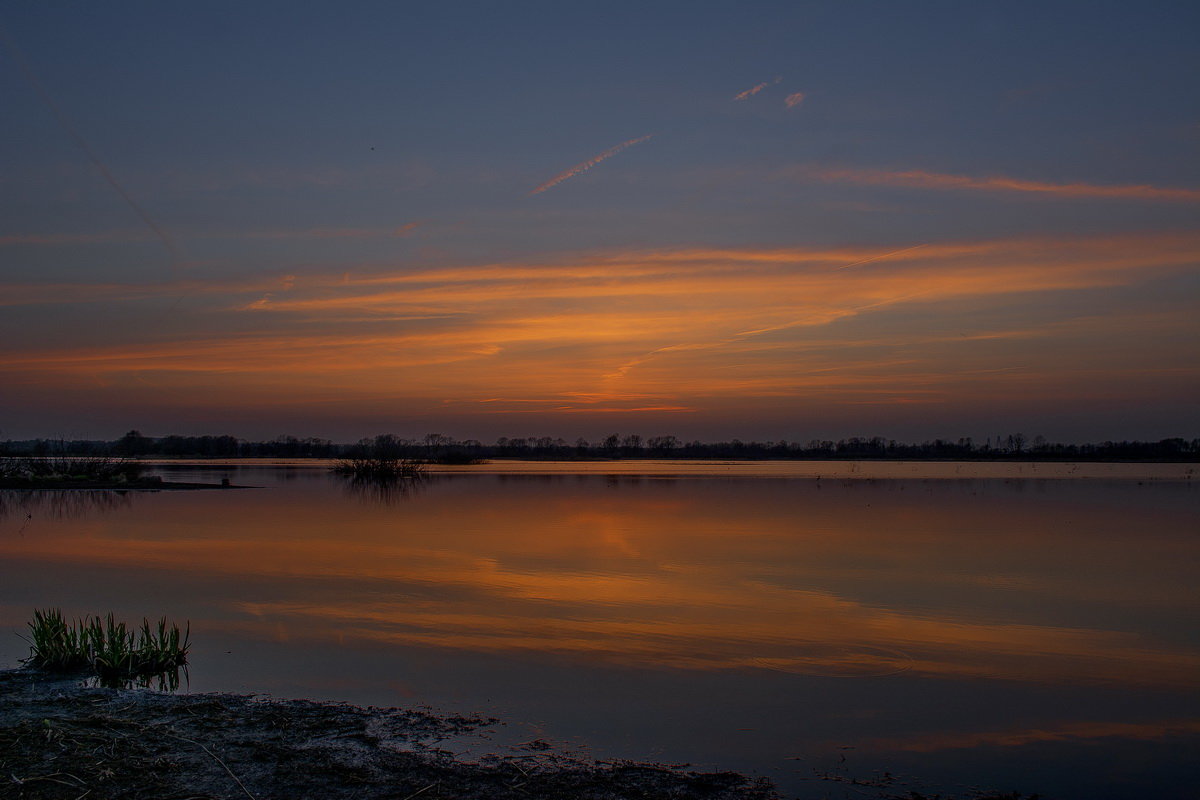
381 458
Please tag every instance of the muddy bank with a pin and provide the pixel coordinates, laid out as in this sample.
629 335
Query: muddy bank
61 740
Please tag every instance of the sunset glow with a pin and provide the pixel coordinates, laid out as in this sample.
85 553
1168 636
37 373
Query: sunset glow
714 396
779 256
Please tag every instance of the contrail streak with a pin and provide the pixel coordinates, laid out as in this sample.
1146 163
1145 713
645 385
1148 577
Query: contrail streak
883 255
65 123
586 165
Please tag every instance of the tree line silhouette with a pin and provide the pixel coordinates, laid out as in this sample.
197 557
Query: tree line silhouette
446 449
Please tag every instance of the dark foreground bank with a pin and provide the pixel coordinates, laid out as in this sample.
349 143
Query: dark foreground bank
59 739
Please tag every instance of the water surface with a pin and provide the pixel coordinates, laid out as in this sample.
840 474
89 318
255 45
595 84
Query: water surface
1020 632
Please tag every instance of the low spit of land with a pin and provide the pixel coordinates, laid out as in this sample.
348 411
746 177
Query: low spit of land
61 740
148 484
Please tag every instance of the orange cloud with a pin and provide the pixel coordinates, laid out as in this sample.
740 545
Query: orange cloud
309 233
670 331
920 179
586 165
753 90
794 99
559 409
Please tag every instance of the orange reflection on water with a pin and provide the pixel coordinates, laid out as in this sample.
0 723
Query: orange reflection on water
952 580
1081 731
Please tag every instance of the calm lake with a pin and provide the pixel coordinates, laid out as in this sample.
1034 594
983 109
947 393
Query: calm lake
948 626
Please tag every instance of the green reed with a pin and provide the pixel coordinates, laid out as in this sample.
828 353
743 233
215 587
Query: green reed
110 648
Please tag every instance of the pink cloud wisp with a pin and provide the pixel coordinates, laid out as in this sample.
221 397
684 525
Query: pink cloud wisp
921 179
586 165
753 90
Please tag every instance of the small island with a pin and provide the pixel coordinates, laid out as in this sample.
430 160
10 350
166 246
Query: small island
95 473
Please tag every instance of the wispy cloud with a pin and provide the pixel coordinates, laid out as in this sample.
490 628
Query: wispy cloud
677 325
920 179
881 256
310 233
584 166
794 99
104 237
129 237
753 90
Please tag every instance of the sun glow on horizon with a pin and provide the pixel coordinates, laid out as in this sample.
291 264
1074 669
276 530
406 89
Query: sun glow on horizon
662 331
775 236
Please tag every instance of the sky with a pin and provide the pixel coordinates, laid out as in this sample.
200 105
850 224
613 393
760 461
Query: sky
713 220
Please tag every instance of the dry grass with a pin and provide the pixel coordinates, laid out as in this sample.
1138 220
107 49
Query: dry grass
73 468
373 468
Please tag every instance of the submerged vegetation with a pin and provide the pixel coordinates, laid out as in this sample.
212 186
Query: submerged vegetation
367 468
68 468
380 459
116 653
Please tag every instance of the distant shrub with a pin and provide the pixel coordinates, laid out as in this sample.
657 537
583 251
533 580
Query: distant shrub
383 458
380 468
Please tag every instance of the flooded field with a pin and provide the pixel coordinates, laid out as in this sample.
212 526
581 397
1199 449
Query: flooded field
934 626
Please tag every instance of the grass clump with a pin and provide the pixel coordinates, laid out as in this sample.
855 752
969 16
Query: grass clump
115 652
369 468
458 459
384 458
70 468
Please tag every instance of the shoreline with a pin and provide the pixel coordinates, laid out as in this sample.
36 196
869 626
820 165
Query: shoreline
142 485
1174 471
62 739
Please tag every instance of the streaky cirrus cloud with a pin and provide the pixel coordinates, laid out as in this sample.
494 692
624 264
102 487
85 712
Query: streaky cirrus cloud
584 166
794 99
103 237
753 90
306 233
130 237
663 330
967 267
921 179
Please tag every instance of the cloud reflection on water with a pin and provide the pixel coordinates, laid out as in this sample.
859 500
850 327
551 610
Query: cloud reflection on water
980 582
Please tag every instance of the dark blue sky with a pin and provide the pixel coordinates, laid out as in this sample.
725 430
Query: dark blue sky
303 160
